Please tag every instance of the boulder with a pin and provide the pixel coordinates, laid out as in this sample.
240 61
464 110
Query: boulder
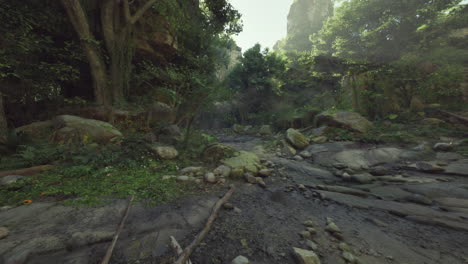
191 170
305 256
288 149
362 178
210 177
443 146
265 130
321 131
10 179
247 161
74 129
297 139
37 131
160 113
169 135
320 140
349 120
222 171
216 152
238 129
164 152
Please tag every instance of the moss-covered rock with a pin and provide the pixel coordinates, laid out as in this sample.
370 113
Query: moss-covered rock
73 129
37 131
349 120
247 161
297 139
216 152
238 129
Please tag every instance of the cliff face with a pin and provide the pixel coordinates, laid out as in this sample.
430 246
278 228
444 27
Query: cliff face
305 18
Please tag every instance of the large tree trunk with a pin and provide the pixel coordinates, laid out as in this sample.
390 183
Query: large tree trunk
110 83
3 123
89 44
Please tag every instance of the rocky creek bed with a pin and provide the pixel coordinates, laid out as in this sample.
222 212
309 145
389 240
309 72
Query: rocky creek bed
346 202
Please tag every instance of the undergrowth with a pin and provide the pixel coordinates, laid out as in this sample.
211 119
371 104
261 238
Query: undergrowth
91 174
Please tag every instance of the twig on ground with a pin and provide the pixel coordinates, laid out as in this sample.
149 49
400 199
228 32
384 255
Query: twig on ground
188 250
108 255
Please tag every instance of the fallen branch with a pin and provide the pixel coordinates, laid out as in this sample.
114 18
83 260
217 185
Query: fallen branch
28 171
188 250
108 255
461 119
178 249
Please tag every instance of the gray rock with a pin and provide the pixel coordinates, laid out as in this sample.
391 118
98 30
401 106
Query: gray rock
228 206
298 158
309 223
419 199
72 129
210 177
240 260
349 257
165 152
349 120
191 170
459 168
250 178
312 245
183 178
297 139
320 140
7 180
305 154
303 256
443 146
362 178
168 177
4 232
305 234
332 228
261 183
428 167
264 172
344 247
222 171
379 171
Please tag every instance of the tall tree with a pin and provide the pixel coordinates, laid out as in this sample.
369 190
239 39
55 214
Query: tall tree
116 27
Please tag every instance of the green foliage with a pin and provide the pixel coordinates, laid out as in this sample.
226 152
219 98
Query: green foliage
34 62
257 80
91 174
195 144
86 185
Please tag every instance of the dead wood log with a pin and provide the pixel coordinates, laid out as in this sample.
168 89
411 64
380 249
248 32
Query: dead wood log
188 250
461 119
109 251
178 249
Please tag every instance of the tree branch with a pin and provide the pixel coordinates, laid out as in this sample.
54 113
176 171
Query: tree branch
142 11
107 21
188 250
126 9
